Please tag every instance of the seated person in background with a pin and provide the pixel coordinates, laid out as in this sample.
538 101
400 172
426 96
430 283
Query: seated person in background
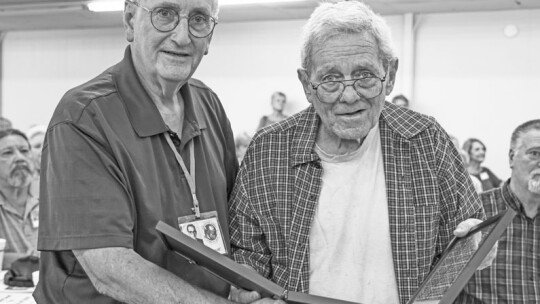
278 102
349 163
400 100
5 123
19 209
477 154
36 135
513 276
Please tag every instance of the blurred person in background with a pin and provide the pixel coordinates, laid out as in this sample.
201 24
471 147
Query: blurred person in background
19 207
241 143
400 100
476 151
36 136
514 275
277 101
5 123
465 158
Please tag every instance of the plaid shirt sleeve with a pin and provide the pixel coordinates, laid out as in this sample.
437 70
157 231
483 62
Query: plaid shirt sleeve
247 239
459 200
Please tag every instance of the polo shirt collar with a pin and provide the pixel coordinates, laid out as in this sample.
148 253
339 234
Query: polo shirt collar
142 112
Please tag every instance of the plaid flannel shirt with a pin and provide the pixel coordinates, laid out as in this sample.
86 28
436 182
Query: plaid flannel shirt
273 202
514 275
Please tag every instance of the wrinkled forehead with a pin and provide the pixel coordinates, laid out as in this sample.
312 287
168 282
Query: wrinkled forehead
529 139
205 6
346 49
13 141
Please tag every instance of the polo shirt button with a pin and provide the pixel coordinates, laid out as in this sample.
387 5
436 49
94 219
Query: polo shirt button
312 197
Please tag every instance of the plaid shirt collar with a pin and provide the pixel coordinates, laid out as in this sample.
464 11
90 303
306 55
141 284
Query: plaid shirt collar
397 118
511 199
304 139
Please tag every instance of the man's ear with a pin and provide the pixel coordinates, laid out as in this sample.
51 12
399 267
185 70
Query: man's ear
391 77
511 155
208 44
304 79
128 19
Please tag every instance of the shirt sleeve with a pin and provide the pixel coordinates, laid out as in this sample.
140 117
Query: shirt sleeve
458 197
248 244
84 202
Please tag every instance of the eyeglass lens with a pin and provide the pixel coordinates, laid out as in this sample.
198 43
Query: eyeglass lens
366 87
166 19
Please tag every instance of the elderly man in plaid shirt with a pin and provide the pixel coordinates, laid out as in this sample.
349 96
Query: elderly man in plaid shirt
353 198
514 276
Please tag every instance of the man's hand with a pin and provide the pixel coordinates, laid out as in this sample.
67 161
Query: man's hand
464 227
243 296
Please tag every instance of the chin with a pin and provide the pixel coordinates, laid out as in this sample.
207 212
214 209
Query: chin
534 186
351 133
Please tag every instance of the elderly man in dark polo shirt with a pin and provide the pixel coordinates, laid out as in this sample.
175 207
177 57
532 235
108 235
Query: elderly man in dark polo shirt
141 142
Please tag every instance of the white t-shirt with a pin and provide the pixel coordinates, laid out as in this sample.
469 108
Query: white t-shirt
350 250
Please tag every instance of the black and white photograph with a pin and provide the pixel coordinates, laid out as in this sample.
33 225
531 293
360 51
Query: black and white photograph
336 148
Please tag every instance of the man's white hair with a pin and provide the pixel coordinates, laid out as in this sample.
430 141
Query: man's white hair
215 7
337 17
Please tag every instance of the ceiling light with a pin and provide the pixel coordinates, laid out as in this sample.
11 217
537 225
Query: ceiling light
238 2
118 5
105 6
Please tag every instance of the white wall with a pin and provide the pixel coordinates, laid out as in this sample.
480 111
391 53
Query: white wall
472 78
40 66
247 62
476 81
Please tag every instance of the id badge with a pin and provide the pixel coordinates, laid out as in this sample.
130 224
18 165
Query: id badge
484 176
205 230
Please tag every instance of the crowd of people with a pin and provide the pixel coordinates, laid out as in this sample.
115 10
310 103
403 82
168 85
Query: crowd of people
353 198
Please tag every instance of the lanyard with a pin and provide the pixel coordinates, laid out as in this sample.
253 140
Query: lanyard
189 177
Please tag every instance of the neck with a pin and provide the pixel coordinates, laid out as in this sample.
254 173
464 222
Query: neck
16 197
165 96
529 200
161 91
474 167
331 144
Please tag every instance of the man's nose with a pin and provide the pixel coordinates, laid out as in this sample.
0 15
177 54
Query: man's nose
181 32
349 94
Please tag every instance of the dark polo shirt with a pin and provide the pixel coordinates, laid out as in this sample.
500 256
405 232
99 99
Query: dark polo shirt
108 176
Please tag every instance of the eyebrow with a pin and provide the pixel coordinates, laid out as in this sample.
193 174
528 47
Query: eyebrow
168 4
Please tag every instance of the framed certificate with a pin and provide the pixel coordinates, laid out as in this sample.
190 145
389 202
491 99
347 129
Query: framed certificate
460 260
230 271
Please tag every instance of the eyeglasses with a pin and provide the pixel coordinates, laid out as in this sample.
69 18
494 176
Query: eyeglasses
367 87
166 19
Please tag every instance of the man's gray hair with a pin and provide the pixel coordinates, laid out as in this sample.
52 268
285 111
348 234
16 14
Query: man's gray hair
522 129
215 10
215 7
338 17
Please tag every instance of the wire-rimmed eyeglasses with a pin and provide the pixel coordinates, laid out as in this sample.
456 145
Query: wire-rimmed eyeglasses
367 87
166 19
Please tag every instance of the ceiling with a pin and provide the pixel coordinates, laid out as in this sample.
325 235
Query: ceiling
16 15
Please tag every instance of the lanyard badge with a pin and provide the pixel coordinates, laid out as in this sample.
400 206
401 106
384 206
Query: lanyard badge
202 227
